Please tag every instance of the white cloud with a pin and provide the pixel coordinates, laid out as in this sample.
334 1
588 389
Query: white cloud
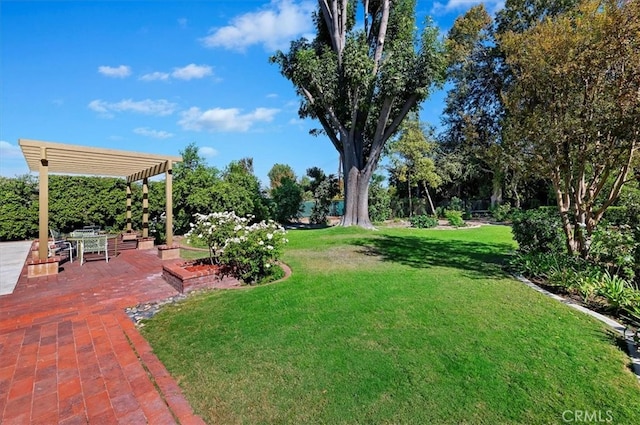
159 107
274 27
7 150
207 151
156 134
183 22
121 71
219 119
155 76
192 71
272 95
189 72
451 5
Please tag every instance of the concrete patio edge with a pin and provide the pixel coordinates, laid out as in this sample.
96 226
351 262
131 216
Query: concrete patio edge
12 258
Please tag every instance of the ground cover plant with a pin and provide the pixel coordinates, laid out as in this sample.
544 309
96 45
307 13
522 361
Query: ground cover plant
393 326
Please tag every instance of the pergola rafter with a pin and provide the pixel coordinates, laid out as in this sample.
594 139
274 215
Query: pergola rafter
49 157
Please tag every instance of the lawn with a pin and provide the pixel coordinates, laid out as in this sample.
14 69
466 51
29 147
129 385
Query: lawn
393 326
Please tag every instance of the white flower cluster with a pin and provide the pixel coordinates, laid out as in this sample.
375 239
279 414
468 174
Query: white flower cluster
248 249
221 229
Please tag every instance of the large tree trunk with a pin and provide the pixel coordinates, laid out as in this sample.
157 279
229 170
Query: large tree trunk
356 207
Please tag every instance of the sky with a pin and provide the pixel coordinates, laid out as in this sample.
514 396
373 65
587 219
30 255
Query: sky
155 76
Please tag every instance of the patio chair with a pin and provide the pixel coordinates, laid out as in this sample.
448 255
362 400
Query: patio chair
57 245
94 244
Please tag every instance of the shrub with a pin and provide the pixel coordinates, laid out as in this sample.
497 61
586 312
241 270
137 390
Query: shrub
455 218
456 204
587 282
534 264
254 250
614 247
538 230
501 212
423 221
247 251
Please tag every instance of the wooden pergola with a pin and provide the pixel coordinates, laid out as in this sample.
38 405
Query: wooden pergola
48 157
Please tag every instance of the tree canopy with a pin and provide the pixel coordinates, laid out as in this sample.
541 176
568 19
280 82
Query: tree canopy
574 106
360 81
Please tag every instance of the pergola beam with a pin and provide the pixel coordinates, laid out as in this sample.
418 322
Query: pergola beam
149 172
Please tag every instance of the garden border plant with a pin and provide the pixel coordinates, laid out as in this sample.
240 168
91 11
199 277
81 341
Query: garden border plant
603 282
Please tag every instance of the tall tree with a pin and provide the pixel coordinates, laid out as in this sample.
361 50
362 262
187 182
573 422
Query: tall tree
474 112
574 106
192 188
360 82
279 172
412 160
287 198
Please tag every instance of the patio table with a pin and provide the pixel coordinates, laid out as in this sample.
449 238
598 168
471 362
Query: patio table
79 240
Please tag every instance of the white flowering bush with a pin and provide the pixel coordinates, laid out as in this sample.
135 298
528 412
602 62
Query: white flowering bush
248 252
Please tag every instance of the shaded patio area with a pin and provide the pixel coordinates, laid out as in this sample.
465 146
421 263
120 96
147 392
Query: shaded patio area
70 355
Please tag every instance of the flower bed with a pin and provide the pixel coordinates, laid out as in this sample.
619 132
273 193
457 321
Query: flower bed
191 275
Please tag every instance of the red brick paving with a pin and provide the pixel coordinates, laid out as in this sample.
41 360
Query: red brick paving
70 355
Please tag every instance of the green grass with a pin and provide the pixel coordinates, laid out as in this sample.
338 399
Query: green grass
393 326
189 254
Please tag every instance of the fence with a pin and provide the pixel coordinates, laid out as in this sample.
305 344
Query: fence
336 208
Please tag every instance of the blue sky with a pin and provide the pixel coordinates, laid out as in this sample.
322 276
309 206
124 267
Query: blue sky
154 76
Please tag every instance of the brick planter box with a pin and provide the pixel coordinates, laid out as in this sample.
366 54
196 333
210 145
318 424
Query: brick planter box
46 267
184 280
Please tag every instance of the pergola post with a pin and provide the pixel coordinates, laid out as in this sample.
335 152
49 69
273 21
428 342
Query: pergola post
169 204
129 228
145 207
43 198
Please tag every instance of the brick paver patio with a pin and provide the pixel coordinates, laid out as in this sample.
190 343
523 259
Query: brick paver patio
70 355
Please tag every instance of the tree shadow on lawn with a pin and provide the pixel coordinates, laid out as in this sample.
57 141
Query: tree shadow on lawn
483 260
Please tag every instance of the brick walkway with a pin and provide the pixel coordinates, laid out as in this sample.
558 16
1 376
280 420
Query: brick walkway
70 355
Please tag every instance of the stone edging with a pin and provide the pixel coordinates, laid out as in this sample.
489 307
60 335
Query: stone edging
632 350
144 311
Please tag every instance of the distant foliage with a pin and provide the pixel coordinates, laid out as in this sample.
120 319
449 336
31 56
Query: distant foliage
456 204
502 212
287 198
18 208
423 221
379 200
324 188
